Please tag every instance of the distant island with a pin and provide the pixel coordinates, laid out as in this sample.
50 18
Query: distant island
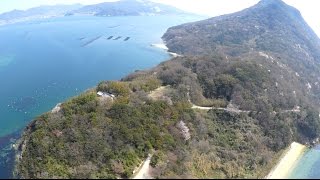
127 8
118 8
244 89
41 12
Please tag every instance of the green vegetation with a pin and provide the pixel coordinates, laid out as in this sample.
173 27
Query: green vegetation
116 88
97 137
84 140
94 138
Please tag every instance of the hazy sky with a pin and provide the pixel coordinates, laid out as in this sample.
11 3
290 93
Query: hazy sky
308 8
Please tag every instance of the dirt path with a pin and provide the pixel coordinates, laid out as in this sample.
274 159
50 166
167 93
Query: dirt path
224 109
236 110
158 93
143 173
228 109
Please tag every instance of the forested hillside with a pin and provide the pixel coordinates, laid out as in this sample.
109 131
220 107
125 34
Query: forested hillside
244 89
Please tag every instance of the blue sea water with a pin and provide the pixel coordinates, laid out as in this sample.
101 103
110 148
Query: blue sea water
48 61
308 166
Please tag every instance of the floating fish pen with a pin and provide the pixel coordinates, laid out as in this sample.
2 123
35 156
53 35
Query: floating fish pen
117 38
91 41
113 26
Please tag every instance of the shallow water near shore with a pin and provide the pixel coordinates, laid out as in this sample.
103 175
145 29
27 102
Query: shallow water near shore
48 61
308 165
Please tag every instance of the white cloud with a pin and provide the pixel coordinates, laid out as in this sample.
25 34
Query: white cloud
8 5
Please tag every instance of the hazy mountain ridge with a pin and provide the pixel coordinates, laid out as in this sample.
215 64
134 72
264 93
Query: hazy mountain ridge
127 8
119 8
38 12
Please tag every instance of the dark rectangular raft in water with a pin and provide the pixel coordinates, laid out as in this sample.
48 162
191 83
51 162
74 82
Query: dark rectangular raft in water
114 26
117 38
91 41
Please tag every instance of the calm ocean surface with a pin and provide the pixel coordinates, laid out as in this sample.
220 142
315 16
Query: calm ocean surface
46 62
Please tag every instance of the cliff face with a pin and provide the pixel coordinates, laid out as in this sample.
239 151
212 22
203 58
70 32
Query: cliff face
244 89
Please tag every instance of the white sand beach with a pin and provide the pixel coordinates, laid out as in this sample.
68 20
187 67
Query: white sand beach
164 47
175 54
161 46
287 161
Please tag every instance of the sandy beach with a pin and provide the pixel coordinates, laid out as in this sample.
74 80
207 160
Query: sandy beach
164 47
161 46
287 161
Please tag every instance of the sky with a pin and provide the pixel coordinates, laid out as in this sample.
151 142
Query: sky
308 8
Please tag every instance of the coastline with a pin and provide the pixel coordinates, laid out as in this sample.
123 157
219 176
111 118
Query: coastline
287 161
7 151
163 46
26 19
19 146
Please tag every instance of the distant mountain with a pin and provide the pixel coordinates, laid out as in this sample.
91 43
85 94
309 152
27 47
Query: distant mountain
119 8
127 8
38 12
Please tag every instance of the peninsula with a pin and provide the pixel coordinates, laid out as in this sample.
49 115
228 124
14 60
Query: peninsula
242 67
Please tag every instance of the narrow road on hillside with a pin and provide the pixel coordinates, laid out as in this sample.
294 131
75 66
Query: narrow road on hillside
143 172
233 109
228 109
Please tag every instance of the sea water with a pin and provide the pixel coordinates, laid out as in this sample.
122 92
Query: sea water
308 166
47 61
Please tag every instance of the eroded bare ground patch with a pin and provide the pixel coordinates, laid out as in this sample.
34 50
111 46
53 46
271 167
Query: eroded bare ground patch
161 93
